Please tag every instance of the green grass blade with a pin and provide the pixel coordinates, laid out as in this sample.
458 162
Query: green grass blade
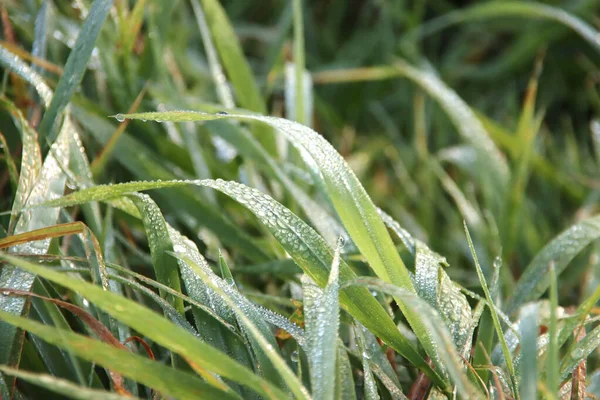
583 349
370 390
561 250
155 327
512 9
344 384
223 92
299 62
74 69
160 243
31 160
63 386
321 310
147 372
13 62
553 361
528 365
144 164
233 59
494 314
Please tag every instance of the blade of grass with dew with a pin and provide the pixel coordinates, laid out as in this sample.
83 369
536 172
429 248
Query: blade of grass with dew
377 357
279 364
251 149
31 160
435 328
434 286
321 316
147 372
344 383
494 314
143 164
350 199
561 250
155 327
528 367
583 349
370 387
63 386
553 361
160 243
74 69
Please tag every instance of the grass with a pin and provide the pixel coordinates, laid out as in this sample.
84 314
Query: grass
207 199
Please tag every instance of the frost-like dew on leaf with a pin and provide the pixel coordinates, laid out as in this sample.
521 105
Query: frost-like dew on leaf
19 67
321 308
31 160
560 251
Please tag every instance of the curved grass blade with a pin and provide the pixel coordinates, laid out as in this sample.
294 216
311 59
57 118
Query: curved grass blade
155 327
145 165
485 11
13 62
143 370
561 250
287 374
74 69
63 386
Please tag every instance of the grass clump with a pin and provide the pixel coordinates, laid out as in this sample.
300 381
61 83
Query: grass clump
299 201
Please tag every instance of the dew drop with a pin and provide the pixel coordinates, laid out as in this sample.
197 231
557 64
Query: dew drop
497 263
222 113
577 354
294 356
120 117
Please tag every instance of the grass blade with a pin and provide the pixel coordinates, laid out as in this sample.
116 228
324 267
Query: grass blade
560 251
494 314
235 63
528 366
74 69
512 9
321 309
